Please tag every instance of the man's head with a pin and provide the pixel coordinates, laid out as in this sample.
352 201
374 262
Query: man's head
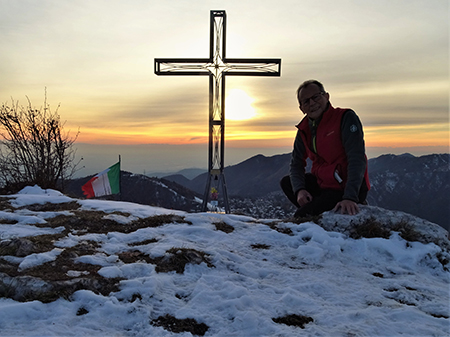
312 98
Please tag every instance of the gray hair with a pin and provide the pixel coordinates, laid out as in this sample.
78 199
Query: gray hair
309 82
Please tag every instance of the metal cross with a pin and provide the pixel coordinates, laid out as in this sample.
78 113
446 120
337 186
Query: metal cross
217 67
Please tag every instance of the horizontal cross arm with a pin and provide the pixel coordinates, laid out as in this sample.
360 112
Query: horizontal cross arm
181 66
253 67
251 60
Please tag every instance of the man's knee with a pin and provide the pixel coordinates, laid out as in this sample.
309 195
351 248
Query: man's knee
286 187
363 191
286 180
285 184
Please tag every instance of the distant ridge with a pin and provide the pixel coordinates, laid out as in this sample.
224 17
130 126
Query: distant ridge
416 185
189 173
141 189
254 177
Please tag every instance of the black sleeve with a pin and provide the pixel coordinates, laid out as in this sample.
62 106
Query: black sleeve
297 165
353 141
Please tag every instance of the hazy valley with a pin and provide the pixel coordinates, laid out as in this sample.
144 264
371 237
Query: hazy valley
416 185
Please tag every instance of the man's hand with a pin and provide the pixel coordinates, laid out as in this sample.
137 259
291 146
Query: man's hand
303 197
346 207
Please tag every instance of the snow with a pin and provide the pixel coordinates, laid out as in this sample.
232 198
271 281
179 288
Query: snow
34 260
22 229
29 194
364 287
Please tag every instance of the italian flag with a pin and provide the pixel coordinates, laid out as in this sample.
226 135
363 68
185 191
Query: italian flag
104 183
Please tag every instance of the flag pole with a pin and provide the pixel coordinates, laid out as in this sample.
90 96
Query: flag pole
120 179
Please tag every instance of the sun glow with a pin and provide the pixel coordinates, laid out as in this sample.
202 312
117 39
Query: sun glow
238 105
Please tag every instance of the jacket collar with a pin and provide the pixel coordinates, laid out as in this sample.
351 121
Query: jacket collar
310 121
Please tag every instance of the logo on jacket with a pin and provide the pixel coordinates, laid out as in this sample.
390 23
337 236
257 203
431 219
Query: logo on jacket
353 128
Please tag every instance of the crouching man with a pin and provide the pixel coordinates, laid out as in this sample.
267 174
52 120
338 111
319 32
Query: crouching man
333 139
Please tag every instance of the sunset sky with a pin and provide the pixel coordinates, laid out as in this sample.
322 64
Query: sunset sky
387 60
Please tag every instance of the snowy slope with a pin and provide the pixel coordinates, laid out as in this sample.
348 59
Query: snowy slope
242 278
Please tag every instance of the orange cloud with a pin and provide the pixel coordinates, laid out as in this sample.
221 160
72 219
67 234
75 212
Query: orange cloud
407 135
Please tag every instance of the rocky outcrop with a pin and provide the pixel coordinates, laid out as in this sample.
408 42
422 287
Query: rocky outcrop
379 222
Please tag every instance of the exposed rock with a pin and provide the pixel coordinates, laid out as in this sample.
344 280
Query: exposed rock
19 247
28 288
392 221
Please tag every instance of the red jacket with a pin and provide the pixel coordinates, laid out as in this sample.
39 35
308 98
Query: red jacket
326 150
330 156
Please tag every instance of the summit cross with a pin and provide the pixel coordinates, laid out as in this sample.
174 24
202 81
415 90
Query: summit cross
217 67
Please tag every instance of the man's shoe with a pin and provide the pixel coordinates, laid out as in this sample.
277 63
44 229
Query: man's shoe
299 213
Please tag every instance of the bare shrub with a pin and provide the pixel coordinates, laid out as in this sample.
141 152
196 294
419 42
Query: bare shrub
34 150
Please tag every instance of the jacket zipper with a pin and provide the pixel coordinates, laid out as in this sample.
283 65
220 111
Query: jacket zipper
313 138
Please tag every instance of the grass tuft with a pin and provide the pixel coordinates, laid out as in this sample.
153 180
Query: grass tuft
176 325
275 226
224 227
260 246
406 231
310 218
370 228
95 222
5 204
82 311
142 243
8 221
177 258
294 320
52 207
158 221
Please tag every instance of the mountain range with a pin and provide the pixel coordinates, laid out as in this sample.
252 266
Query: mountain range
416 185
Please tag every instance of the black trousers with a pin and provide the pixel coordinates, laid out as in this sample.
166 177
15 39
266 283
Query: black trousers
323 199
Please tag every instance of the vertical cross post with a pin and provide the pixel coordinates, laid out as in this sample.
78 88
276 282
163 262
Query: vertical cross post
217 67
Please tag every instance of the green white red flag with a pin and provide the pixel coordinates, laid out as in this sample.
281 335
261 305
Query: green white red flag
104 183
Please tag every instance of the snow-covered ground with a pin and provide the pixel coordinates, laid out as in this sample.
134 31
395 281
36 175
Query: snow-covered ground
348 287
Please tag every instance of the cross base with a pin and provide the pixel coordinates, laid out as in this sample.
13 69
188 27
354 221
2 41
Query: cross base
222 187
